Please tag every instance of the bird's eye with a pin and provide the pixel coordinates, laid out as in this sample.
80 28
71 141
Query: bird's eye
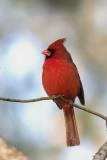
52 50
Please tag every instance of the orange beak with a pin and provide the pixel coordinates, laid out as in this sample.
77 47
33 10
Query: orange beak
46 52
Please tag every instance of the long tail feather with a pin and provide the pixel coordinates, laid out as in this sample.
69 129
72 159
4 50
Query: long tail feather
72 136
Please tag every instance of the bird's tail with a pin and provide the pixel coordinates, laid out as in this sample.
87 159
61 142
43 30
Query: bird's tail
72 136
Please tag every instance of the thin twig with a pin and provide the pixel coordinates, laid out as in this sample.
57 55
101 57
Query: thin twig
102 153
29 100
52 98
90 111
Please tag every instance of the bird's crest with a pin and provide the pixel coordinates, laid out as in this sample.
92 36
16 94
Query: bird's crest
57 42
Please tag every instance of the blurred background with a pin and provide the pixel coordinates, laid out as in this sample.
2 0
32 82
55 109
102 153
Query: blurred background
27 28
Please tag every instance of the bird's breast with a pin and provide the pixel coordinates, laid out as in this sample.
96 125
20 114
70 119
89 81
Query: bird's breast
61 78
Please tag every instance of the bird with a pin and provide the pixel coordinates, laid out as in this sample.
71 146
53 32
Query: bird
60 77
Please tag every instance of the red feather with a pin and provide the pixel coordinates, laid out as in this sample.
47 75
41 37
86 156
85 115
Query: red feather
60 77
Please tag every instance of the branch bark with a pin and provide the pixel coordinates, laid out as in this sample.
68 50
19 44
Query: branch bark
102 153
10 152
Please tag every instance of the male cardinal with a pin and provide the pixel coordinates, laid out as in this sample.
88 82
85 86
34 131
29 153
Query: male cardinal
60 77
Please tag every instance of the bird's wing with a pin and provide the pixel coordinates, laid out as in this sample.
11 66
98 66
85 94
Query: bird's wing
81 95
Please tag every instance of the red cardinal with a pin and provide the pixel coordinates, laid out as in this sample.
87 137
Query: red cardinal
60 77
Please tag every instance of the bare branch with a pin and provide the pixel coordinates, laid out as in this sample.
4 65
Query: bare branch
90 111
29 100
10 152
102 153
52 98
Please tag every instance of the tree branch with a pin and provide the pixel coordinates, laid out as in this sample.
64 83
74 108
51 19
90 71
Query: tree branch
10 152
29 100
90 111
53 98
102 153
